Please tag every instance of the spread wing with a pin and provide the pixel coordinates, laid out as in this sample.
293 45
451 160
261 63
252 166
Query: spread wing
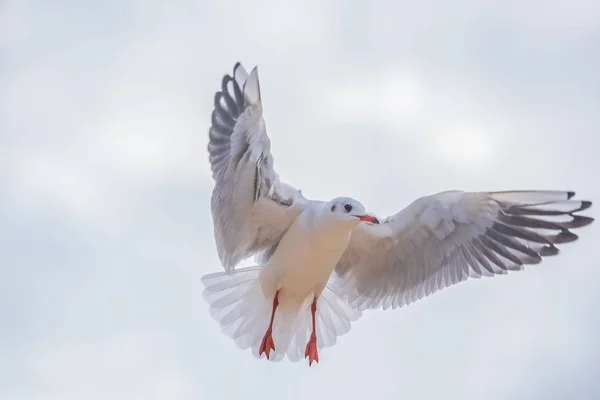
443 239
251 208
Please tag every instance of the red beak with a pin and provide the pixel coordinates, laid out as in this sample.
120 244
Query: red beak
369 218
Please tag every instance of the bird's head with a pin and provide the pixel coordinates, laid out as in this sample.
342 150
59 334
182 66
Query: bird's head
347 209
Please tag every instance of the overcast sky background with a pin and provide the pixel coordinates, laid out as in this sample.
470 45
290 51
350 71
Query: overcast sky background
105 226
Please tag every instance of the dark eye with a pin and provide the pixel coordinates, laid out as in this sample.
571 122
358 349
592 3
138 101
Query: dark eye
347 207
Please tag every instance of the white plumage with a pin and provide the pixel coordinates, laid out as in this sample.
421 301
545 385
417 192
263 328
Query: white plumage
331 260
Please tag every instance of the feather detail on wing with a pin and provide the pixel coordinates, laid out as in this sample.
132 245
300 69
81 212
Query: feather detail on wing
251 208
443 239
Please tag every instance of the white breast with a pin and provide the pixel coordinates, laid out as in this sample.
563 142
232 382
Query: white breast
305 258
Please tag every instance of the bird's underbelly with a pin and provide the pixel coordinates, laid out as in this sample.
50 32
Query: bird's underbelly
307 275
299 270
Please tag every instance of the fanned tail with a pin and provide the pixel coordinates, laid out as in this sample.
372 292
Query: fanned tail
238 304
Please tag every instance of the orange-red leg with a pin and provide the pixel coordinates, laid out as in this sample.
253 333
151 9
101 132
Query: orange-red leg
311 347
267 343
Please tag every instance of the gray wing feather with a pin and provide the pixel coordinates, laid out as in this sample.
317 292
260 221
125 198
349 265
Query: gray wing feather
251 208
443 239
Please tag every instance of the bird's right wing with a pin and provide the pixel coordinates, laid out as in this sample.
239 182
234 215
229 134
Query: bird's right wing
443 239
251 208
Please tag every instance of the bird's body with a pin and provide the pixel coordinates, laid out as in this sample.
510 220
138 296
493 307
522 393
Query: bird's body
320 264
305 257
299 269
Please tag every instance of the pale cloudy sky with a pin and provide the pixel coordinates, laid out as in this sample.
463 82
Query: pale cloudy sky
105 228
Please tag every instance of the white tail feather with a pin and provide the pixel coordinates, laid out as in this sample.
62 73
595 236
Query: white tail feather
238 304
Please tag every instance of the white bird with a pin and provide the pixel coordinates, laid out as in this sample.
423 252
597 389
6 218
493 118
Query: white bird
319 264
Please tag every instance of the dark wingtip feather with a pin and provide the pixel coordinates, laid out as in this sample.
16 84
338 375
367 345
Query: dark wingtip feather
218 99
239 96
547 251
579 221
564 237
229 101
585 204
236 66
570 194
224 81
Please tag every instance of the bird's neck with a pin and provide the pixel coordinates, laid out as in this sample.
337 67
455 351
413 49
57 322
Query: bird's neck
331 233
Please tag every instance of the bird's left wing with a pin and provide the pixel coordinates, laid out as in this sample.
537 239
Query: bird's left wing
443 239
251 208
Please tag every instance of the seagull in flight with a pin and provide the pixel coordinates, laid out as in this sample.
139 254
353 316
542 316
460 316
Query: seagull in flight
320 263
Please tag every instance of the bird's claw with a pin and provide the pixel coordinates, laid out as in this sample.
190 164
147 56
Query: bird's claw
267 344
311 350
